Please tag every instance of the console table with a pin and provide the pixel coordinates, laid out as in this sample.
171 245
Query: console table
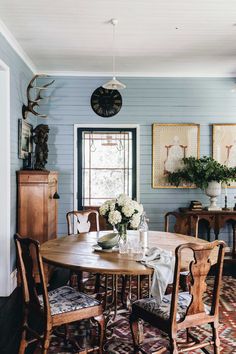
215 220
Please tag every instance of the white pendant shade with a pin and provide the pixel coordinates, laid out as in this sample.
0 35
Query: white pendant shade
114 85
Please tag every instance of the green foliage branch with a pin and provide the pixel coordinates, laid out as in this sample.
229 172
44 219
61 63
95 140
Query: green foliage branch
202 171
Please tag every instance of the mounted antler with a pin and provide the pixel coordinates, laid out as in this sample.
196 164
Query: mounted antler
35 102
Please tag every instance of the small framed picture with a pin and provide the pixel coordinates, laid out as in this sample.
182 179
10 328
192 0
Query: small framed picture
25 139
224 145
172 142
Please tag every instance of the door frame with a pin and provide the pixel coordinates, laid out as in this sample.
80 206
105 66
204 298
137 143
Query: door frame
5 178
121 126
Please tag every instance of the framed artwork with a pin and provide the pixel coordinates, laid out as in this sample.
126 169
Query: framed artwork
25 139
224 145
172 142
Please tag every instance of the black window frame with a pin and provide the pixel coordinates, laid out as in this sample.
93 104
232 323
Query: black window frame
80 132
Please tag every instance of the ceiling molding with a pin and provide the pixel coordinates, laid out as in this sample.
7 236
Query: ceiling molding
17 47
132 74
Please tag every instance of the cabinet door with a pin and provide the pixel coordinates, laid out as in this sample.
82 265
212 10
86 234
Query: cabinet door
32 211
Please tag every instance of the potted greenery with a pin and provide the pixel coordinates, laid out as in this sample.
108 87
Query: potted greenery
206 173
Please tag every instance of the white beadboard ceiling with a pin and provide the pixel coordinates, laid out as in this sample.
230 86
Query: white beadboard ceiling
153 37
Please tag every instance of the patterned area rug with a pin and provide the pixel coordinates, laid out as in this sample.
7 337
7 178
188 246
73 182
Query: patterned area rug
121 340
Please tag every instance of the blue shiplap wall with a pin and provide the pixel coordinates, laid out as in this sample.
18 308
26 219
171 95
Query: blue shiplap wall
145 101
19 79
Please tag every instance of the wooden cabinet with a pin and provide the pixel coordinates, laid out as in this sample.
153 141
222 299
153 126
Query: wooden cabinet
37 208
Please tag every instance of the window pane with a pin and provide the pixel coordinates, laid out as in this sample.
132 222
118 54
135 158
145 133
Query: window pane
107 166
106 150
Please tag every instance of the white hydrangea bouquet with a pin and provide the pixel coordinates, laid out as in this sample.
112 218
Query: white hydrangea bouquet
122 212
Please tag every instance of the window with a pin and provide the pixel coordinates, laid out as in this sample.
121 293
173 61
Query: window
106 164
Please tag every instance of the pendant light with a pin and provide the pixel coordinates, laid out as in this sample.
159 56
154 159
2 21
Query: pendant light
114 84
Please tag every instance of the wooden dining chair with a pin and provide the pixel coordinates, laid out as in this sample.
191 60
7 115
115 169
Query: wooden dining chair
79 222
183 225
54 308
181 311
82 221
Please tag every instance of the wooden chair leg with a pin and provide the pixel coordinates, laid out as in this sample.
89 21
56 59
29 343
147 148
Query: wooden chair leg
23 343
173 345
123 289
134 326
46 342
216 338
101 324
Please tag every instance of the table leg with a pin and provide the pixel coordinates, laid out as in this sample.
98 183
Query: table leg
106 291
112 309
138 287
115 296
129 295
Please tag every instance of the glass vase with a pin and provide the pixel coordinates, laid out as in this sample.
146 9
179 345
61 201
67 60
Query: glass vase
122 231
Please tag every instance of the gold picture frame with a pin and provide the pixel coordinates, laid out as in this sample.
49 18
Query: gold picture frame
171 142
25 143
224 145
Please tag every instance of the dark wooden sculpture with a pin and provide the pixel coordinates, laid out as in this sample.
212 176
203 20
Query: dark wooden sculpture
32 103
40 138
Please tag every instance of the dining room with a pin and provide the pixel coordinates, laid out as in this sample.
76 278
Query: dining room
118 155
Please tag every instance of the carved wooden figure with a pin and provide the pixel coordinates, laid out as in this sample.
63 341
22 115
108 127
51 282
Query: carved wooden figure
40 138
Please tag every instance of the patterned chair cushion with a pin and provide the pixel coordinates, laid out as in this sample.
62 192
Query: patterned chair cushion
66 299
163 310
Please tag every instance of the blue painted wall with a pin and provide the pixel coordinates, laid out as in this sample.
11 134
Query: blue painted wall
20 75
145 101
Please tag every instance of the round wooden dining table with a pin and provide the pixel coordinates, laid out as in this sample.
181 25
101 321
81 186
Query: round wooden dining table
76 252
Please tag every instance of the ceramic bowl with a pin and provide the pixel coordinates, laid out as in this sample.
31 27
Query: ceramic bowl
108 241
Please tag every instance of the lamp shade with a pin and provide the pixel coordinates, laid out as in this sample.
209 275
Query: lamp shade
114 85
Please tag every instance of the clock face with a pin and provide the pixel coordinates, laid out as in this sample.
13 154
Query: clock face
106 103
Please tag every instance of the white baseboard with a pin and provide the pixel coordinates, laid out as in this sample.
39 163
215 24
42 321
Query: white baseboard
13 283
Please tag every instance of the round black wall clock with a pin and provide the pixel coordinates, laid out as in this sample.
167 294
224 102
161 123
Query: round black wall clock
106 103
